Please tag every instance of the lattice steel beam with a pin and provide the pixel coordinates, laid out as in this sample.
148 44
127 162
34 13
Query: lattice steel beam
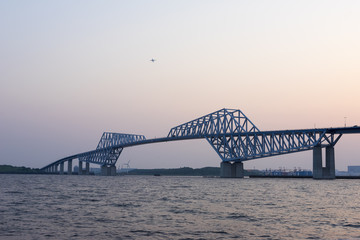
109 139
246 146
235 138
220 122
106 153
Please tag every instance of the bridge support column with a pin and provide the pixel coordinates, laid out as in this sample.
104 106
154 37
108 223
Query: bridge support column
62 168
80 167
231 170
56 168
317 163
113 170
330 162
108 170
327 172
239 169
87 168
225 169
69 167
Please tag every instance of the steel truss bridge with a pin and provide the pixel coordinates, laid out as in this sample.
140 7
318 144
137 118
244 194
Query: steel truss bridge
231 134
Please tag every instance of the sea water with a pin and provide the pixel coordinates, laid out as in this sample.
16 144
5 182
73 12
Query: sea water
152 207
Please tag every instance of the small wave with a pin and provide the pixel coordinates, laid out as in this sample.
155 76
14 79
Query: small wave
125 205
147 233
352 225
14 192
179 186
90 200
18 203
64 197
237 216
104 220
185 211
220 232
265 236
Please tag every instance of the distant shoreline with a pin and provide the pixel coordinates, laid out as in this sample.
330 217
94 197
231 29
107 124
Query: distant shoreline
185 171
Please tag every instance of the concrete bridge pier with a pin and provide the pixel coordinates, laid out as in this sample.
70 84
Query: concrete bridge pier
327 172
80 167
62 168
330 162
69 167
108 170
231 170
225 169
87 168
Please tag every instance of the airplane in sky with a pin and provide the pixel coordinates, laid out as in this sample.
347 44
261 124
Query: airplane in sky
153 60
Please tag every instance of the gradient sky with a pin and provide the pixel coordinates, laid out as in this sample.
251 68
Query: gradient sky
70 70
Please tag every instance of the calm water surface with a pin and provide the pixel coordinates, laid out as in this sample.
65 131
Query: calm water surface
149 207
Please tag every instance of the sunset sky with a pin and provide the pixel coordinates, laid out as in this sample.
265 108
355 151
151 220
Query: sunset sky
70 70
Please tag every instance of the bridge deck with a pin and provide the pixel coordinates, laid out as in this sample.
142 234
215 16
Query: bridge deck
341 130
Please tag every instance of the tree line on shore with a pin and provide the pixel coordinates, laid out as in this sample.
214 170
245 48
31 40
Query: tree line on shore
21 170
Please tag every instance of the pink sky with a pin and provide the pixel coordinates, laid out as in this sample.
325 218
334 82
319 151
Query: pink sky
72 70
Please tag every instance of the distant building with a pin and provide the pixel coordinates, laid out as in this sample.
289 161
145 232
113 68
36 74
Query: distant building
124 170
303 173
285 172
341 173
354 170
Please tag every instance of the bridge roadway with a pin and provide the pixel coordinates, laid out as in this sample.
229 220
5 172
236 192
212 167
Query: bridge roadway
340 131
